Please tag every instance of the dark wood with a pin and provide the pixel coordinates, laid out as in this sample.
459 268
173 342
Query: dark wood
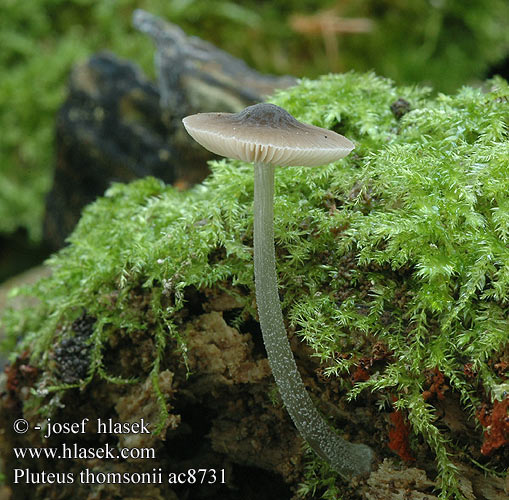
117 126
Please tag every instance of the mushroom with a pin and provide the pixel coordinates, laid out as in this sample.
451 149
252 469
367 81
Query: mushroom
267 135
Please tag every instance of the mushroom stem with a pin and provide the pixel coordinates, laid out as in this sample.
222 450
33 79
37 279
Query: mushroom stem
346 458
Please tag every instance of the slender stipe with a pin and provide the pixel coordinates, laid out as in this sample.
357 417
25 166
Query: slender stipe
346 458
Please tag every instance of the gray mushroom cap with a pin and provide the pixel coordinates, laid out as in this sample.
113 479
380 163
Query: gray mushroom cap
266 133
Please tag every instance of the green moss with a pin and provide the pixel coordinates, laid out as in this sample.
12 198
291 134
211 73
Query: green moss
403 243
453 42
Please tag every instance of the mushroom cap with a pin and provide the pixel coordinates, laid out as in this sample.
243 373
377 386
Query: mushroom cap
266 133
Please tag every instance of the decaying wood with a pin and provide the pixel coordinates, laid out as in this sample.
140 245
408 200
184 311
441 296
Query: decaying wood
117 125
207 78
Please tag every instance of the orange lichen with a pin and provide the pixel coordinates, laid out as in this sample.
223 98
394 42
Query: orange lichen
399 435
363 367
361 373
437 386
381 352
496 424
469 371
502 368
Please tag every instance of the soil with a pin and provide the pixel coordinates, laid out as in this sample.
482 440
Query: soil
224 419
